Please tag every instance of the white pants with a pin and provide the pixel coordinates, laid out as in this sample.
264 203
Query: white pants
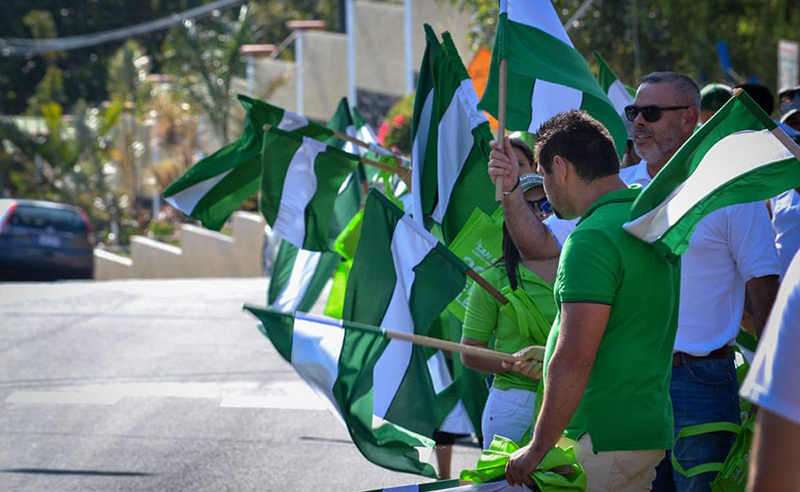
508 413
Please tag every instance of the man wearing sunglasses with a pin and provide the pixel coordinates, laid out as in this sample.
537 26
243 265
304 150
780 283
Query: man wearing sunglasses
731 252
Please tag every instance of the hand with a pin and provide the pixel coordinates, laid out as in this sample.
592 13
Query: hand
529 362
503 162
528 368
520 466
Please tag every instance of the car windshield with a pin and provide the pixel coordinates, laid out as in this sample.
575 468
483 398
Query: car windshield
44 217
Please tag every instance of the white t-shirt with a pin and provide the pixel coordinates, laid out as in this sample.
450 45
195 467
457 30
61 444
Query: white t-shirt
786 223
729 247
772 381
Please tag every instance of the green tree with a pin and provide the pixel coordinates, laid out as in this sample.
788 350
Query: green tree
204 57
127 73
640 36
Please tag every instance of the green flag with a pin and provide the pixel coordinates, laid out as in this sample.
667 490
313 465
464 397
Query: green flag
301 179
340 362
451 486
738 156
298 277
212 189
401 279
449 181
618 93
546 75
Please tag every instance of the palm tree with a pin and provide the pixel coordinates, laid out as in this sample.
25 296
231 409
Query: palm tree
205 61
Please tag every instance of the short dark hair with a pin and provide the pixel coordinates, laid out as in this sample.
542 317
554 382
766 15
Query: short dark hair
582 140
685 85
761 94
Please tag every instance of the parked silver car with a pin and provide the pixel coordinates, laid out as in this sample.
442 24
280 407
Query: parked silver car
42 240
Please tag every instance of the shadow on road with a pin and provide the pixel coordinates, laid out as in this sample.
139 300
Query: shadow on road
48 471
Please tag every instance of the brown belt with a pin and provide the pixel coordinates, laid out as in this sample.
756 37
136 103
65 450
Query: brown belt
682 359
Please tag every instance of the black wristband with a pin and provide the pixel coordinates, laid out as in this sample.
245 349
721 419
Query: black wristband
516 185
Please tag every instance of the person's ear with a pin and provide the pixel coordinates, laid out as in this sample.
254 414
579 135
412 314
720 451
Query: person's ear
560 168
690 118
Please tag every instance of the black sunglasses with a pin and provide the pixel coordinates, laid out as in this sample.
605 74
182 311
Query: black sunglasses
650 113
541 204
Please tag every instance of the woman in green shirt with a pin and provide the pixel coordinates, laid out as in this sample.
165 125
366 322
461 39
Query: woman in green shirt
524 321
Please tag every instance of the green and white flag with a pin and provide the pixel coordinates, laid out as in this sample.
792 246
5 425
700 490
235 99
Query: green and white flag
546 75
340 360
342 121
298 277
619 95
212 189
449 180
454 486
391 181
300 181
421 119
401 279
740 155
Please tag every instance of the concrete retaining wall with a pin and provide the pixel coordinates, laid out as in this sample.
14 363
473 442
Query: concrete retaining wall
203 253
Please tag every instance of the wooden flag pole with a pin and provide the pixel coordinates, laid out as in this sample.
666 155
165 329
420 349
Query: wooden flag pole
424 341
487 286
361 143
404 173
459 347
501 121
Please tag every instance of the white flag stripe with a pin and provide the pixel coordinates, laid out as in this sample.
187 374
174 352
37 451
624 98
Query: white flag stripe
786 140
315 355
365 134
457 420
619 97
350 147
733 156
549 99
537 14
418 150
186 200
292 121
298 190
455 142
303 269
409 247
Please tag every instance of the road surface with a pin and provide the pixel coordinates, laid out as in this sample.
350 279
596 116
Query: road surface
162 385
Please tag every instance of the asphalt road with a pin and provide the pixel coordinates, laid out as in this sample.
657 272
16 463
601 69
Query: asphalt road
162 385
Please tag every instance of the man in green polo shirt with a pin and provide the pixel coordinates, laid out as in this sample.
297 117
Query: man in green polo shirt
609 354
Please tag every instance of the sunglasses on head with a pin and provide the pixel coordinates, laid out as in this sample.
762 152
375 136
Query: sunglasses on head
543 205
651 113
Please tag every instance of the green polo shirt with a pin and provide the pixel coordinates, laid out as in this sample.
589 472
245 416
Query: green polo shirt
626 405
484 318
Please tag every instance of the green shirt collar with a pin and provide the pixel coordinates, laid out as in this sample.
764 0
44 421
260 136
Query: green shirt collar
626 195
531 277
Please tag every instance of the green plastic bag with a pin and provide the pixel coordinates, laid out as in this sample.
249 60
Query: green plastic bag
492 466
479 245
527 315
732 474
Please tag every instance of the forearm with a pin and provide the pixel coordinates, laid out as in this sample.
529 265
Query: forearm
531 236
776 444
761 292
566 381
481 364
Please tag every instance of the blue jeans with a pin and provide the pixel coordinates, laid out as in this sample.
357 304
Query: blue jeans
701 392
